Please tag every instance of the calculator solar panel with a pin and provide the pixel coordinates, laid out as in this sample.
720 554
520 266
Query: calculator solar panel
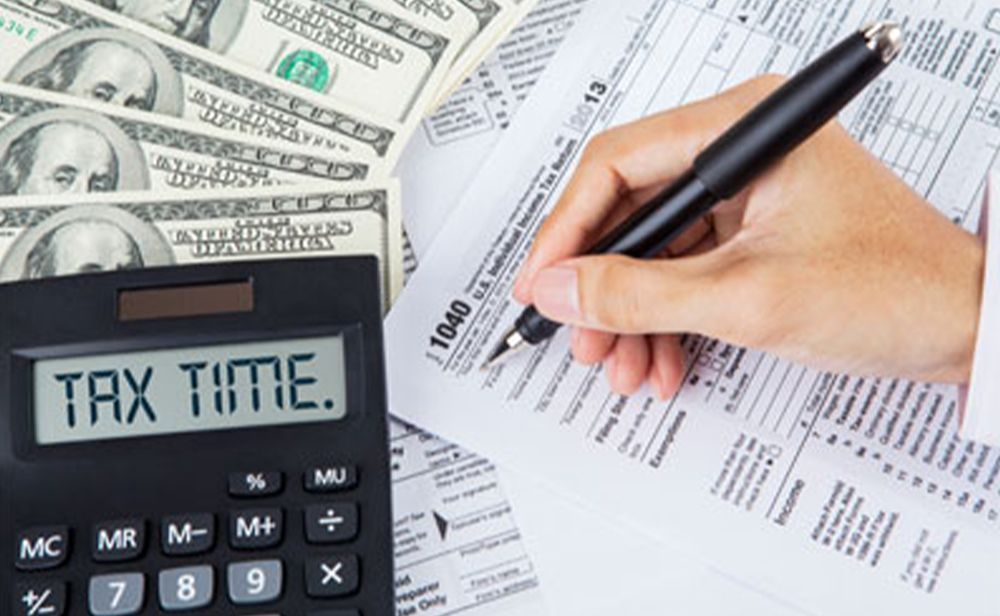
200 439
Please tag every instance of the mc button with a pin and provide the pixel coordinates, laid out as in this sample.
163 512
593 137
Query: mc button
41 547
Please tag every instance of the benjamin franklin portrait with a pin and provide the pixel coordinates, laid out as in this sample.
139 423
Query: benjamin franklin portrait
62 151
85 239
56 157
208 23
107 65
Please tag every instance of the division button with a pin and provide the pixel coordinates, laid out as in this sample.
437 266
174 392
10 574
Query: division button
40 599
332 576
41 547
332 478
186 588
184 535
116 594
253 583
331 523
255 483
118 541
255 529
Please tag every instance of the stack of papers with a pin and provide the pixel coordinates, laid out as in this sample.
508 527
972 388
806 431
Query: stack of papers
764 486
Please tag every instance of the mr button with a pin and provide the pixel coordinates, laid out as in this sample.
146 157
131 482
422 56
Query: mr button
41 547
118 541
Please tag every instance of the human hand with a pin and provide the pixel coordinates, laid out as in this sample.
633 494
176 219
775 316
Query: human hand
828 259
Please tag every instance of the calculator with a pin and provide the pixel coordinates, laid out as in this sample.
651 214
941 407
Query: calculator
206 439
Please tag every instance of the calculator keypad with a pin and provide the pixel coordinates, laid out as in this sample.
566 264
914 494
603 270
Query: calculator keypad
194 586
116 594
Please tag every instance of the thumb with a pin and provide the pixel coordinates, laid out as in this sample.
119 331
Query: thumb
630 296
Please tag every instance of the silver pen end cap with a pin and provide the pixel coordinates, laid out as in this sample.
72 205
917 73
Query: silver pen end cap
884 38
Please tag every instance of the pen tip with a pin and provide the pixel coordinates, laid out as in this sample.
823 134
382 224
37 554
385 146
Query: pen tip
884 38
509 345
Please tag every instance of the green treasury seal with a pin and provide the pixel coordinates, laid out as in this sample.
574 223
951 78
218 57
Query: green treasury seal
306 68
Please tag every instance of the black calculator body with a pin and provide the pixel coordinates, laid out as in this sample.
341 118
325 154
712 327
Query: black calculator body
204 439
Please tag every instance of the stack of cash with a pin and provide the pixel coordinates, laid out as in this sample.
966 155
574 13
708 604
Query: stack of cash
148 132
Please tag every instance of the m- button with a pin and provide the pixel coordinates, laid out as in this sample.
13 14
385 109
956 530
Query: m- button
41 547
330 478
184 535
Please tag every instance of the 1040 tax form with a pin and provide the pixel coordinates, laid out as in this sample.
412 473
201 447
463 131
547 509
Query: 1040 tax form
833 492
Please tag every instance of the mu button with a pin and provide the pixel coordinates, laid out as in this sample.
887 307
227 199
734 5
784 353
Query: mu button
330 478
332 576
255 529
41 547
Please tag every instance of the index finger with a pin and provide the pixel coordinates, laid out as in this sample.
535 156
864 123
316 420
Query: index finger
647 153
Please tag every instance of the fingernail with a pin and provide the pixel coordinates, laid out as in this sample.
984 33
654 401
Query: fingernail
556 295
656 381
611 370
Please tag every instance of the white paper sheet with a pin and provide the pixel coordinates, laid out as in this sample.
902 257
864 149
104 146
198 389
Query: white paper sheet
457 546
593 565
448 148
799 483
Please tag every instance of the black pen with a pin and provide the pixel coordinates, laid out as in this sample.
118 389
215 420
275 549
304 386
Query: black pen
768 132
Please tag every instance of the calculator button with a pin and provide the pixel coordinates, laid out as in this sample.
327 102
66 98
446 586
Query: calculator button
118 541
41 547
186 588
184 535
40 599
253 583
335 613
332 576
116 594
331 523
255 529
330 478
255 483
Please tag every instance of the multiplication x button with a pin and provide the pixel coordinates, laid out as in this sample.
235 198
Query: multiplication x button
332 576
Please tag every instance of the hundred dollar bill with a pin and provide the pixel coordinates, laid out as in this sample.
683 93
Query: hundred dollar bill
68 48
49 235
53 143
351 50
473 26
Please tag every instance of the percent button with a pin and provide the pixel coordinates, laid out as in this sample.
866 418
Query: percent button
255 483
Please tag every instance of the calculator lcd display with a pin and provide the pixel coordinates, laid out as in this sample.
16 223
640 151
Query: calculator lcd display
189 389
